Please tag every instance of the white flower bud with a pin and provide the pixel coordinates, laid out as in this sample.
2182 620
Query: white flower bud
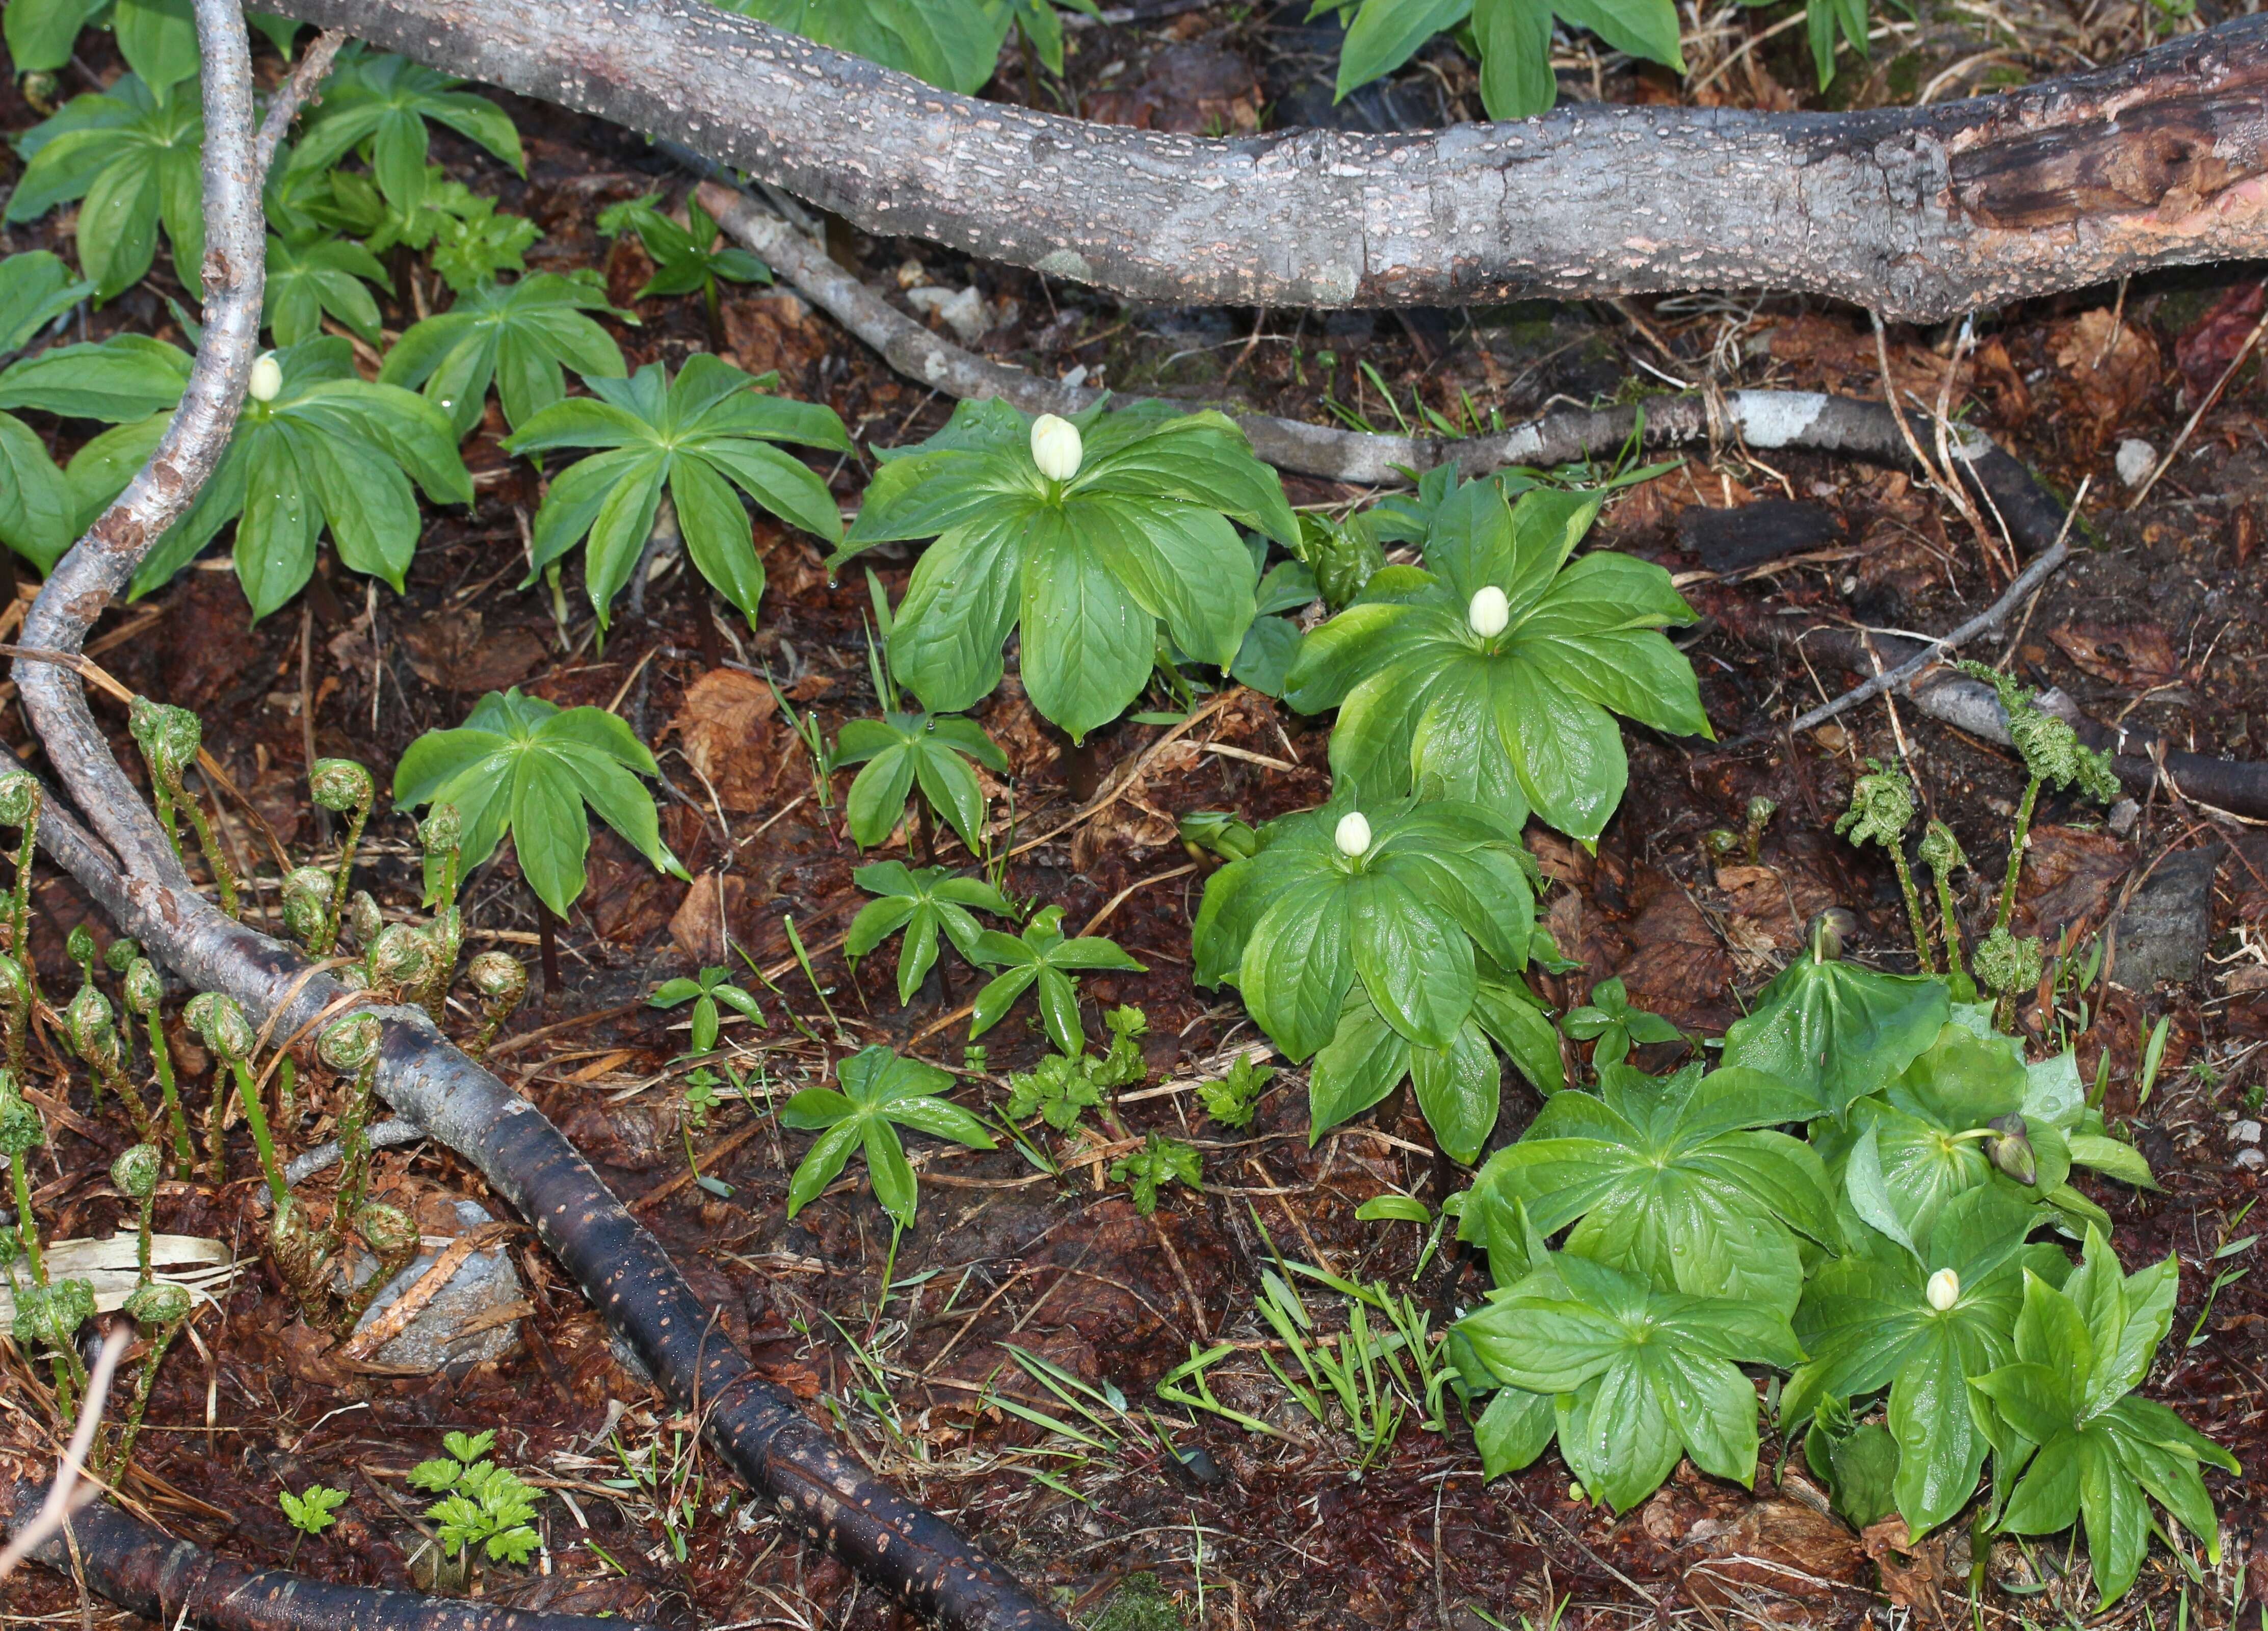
1056 447
266 378
1353 834
1489 612
1944 1289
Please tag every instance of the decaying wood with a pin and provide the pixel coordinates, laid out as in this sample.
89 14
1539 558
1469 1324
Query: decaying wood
1918 213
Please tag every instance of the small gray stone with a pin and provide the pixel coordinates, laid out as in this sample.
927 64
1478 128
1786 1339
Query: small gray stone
2123 816
2251 1158
2134 461
2162 933
437 1338
2246 1133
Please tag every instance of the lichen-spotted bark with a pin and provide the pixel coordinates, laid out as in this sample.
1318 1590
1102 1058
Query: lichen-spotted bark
1916 213
169 1580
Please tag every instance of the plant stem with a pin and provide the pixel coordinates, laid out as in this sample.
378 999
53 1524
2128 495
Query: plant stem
224 875
1949 921
1913 905
548 940
256 1116
354 1147
2016 854
216 1131
147 1205
340 881
27 1228
123 1451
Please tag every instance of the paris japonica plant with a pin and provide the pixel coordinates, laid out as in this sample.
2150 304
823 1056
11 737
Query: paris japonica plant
1092 535
1493 671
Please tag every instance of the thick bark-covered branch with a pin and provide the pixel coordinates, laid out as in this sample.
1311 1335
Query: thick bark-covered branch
169 1581
1916 213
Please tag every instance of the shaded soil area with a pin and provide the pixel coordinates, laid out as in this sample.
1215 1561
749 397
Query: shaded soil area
910 1352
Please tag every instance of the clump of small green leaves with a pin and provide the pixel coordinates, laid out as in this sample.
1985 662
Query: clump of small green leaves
685 257
1231 1099
481 1504
1088 533
705 991
318 449
526 767
519 336
313 1511
1493 674
1041 958
879 1093
705 437
1063 1087
1161 1161
1386 943
903 751
1613 1026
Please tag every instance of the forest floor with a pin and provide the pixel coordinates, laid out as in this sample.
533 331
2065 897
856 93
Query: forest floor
2160 619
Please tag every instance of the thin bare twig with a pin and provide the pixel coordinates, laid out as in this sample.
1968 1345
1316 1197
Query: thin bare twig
1991 618
2203 407
298 91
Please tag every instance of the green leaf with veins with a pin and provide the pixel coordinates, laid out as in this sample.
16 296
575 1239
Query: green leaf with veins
1159 1161
131 158
157 38
1676 1180
1521 718
1838 1029
1611 1021
705 437
903 751
380 104
330 452
1868 1323
920 902
880 1092
524 767
518 337
1141 534
1639 1377
131 377
1042 958
2073 1441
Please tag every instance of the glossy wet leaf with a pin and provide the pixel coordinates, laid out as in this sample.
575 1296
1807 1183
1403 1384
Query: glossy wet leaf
526 768
35 289
1836 1028
1679 1180
307 281
1639 1377
1143 534
1521 720
380 104
687 258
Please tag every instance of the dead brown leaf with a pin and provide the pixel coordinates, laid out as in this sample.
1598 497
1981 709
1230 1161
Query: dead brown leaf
453 651
2112 367
1911 1574
703 921
2204 351
2069 878
773 331
725 727
1681 970
2137 654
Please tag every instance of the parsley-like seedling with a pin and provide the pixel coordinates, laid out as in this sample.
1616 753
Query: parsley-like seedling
314 1512
481 1503
1161 1161
1231 1099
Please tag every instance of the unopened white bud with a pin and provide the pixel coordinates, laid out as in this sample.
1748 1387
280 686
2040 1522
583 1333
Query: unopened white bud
1944 1289
266 378
1489 612
1352 835
1056 447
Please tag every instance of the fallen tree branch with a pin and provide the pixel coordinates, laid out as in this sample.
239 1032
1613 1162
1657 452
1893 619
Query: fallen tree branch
170 1581
1918 213
759 1428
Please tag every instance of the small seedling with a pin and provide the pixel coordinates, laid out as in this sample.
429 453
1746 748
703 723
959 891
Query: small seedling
704 992
314 1511
1159 1161
481 1504
1231 1099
